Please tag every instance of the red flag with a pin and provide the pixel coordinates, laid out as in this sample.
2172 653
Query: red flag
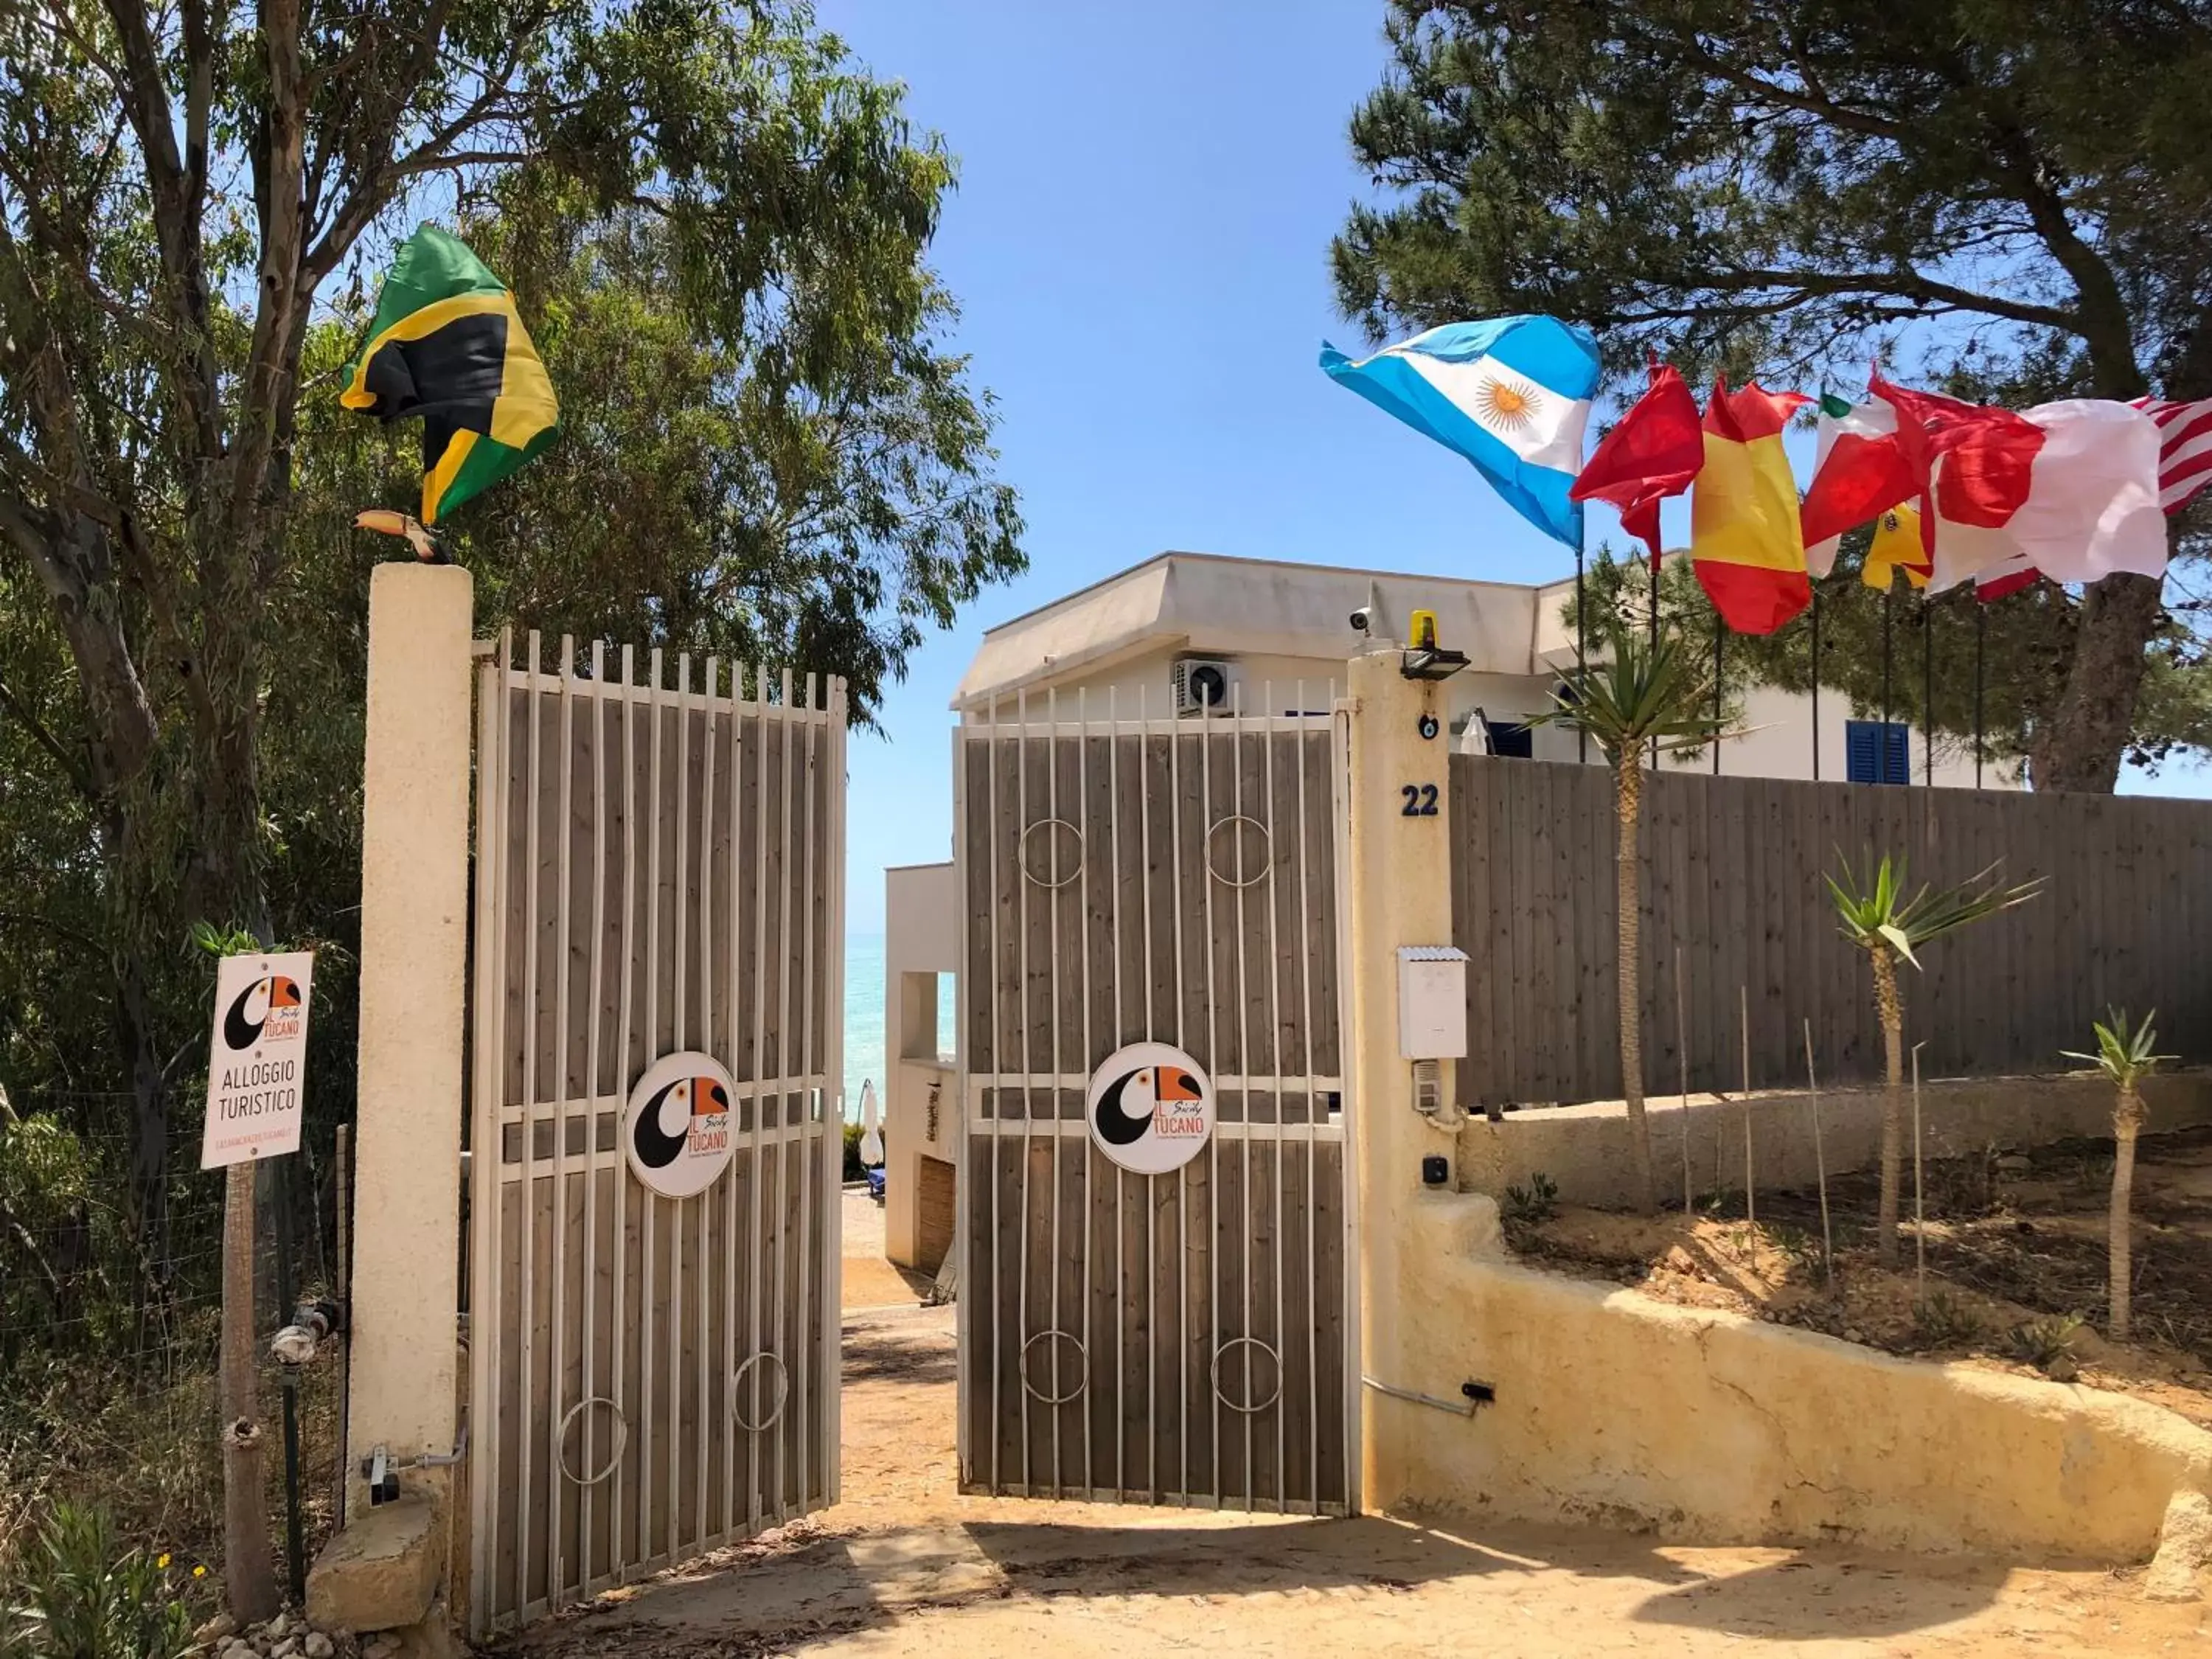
1987 457
1653 454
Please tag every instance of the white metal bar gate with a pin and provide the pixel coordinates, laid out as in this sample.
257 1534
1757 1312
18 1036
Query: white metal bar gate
1179 1337
658 869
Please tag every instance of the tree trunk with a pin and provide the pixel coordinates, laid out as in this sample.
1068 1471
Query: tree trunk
1629 782
2089 732
1891 1009
249 1579
2127 1124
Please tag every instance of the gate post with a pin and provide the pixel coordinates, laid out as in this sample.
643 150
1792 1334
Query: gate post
414 924
1398 893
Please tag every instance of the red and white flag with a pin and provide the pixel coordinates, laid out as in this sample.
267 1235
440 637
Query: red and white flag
2184 440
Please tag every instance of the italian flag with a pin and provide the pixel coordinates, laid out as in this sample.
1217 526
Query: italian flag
1859 472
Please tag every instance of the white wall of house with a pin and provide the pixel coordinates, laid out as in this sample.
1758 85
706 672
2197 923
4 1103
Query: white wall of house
922 934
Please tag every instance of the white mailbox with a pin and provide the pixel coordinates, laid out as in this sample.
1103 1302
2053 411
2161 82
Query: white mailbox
1431 1002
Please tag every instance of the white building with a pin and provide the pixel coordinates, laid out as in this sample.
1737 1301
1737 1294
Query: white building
1196 632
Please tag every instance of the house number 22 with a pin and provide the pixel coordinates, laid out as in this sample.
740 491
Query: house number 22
1420 801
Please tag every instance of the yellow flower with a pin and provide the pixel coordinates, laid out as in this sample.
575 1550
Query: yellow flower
199 1572
161 1560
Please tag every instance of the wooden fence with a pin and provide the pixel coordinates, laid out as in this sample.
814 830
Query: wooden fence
1732 875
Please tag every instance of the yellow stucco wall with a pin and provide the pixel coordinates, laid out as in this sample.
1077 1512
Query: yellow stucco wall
1712 1427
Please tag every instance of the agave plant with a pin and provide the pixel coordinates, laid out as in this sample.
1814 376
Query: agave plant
1639 696
2126 1055
1882 918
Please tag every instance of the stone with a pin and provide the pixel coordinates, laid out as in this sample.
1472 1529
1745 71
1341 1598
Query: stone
2062 1369
384 1647
238 1649
2015 1164
2185 1549
382 1572
211 1634
276 1629
318 1646
285 1648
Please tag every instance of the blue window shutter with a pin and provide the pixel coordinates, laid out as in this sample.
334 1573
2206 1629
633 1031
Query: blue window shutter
1896 754
1862 751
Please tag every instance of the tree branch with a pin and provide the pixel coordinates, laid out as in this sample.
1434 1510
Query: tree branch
46 739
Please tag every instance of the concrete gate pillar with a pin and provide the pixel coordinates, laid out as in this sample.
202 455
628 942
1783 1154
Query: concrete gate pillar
407 1183
1400 894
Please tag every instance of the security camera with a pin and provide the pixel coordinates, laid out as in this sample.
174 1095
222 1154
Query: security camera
1363 619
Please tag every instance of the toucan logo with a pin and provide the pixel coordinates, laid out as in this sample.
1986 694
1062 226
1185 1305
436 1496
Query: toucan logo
679 1129
271 1005
1150 1108
696 1098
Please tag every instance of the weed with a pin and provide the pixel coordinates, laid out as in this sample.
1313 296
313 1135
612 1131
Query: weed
2043 1342
84 1596
1531 1205
1943 1320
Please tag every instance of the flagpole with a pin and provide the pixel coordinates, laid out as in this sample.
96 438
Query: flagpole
1888 657
1720 637
1582 636
1816 685
1981 639
1927 692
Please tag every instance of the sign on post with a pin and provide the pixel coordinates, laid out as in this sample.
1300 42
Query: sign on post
256 1057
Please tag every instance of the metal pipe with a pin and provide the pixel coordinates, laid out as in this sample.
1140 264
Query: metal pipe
1456 1408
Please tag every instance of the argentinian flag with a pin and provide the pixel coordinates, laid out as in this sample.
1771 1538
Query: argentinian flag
1512 394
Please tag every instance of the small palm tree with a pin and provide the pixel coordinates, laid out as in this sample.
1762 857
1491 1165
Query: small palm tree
1878 916
1641 695
2124 1054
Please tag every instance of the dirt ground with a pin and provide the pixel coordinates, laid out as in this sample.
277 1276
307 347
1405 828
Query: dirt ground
903 1565
2016 1263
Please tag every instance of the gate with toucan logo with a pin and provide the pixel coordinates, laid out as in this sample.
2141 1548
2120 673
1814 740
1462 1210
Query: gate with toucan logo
1155 1192
654 1154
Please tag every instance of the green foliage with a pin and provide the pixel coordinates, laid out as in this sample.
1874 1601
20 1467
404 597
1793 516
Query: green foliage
1876 912
82 1595
1634 693
2043 1342
2018 193
2126 1050
1532 1205
1943 1319
855 1168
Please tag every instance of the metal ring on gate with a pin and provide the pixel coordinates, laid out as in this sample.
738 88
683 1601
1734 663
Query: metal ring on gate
1215 1374
621 1438
1267 844
1046 823
782 1393
1082 1381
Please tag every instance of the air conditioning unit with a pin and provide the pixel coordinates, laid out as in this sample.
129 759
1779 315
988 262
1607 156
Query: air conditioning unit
1201 684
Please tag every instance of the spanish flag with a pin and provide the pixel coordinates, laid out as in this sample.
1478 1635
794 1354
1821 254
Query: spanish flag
448 345
1745 540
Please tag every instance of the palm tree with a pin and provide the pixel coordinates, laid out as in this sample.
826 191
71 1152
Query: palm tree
1640 695
1879 917
2124 1055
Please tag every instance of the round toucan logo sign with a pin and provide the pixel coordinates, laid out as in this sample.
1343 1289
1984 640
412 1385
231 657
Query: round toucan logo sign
1150 1108
679 1131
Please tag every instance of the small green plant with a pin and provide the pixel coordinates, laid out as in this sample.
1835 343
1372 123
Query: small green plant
1875 912
2042 1343
854 1170
82 1595
1943 1320
1532 1205
2126 1054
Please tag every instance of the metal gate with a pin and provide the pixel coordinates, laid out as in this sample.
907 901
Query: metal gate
658 869
1178 1337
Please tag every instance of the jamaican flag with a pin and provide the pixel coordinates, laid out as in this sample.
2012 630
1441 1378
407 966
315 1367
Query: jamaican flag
448 345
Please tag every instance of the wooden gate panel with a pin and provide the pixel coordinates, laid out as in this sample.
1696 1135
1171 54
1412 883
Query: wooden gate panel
1171 880
659 867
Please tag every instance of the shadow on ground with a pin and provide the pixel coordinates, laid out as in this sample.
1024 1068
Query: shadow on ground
1807 1599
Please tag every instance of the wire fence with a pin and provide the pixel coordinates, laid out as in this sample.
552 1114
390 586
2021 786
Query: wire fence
111 1313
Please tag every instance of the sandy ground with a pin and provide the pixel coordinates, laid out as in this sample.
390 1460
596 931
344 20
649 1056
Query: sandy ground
904 1566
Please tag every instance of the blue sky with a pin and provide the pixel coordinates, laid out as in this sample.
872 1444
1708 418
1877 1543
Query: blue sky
1139 246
